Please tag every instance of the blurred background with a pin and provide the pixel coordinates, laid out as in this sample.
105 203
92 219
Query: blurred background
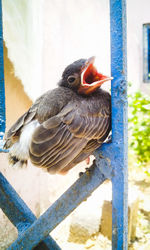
41 37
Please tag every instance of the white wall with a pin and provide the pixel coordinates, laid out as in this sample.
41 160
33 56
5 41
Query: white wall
23 35
72 30
44 36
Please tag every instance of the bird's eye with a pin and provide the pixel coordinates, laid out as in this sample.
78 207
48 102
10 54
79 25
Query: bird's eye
71 79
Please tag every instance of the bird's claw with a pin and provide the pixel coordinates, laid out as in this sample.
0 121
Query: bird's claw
88 170
109 139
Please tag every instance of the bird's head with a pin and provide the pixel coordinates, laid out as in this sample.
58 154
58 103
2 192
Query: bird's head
83 77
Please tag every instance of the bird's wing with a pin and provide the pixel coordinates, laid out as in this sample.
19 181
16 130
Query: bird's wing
84 154
14 132
61 138
46 106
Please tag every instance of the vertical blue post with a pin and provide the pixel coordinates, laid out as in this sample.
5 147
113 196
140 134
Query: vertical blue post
2 90
148 49
119 124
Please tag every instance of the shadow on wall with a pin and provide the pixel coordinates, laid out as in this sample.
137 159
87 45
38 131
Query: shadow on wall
17 102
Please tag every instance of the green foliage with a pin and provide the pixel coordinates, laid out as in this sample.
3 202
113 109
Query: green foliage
139 126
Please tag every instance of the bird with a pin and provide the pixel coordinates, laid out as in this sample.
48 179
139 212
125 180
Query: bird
65 125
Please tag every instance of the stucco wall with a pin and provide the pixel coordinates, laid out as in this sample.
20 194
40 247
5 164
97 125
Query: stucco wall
72 30
44 36
17 102
22 31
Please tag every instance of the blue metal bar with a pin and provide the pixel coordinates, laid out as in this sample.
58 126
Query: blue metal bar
148 51
18 212
119 124
2 88
77 193
115 154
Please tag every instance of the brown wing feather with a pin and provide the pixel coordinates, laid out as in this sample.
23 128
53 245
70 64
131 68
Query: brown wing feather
69 137
45 106
14 132
56 150
84 124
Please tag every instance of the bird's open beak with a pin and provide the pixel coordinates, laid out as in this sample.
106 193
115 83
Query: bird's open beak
91 79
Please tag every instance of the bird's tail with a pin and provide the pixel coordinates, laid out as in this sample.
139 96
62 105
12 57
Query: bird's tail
16 162
19 149
16 156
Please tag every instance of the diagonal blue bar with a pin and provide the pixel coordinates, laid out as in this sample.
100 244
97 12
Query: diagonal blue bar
77 193
19 213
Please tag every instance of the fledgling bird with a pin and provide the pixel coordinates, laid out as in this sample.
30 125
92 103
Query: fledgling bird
65 125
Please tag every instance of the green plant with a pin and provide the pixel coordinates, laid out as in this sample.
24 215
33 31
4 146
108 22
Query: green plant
139 126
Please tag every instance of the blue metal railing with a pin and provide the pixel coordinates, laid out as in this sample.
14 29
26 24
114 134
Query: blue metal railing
111 160
19 214
2 86
146 52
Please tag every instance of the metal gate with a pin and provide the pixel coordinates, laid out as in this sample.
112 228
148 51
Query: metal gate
111 159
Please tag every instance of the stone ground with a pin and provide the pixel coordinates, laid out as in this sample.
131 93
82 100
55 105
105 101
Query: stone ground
138 177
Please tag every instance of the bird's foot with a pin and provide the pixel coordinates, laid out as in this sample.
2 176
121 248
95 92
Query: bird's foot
15 162
88 170
87 160
109 139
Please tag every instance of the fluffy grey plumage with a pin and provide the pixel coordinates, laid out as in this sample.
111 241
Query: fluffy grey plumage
63 127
